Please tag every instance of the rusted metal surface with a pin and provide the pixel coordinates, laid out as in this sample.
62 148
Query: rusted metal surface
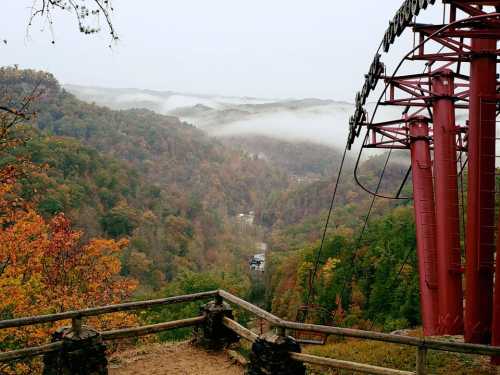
495 334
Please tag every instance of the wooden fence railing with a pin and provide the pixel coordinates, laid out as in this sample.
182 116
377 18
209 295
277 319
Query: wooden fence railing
281 326
77 316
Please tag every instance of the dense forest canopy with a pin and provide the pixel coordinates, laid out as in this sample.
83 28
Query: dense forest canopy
162 201
134 173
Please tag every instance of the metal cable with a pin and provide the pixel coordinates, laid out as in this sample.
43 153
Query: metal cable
316 264
393 283
398 67
365 224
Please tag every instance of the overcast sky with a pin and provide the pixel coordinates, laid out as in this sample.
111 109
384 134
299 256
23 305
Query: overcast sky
261 48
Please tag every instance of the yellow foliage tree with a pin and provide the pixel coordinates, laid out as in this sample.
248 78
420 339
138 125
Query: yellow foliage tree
46 268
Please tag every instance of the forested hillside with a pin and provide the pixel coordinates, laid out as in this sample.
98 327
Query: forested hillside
297 215
305 161
369 281
162 183
367 271
176 193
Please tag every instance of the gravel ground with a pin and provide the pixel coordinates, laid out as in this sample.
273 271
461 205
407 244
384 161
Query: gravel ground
174 359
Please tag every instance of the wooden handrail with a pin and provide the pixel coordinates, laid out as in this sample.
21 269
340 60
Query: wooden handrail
457 347
30 352
421 343
322 361
240 330
106 335
346 365
252 308
140 305
151 329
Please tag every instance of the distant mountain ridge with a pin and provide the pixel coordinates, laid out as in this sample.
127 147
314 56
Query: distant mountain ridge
117 98
315 120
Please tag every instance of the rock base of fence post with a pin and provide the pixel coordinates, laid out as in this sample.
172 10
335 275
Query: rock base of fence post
82 354
213 334
270 355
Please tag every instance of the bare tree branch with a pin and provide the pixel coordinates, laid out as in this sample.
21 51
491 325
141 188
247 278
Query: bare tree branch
85 11
13 111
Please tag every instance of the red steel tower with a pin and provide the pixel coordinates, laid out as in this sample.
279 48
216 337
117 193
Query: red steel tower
460 77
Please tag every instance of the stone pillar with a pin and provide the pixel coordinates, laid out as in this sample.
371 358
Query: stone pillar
214 335
83 352
270 355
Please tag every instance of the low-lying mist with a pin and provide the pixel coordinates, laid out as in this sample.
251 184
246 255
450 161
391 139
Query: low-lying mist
324 122
323 125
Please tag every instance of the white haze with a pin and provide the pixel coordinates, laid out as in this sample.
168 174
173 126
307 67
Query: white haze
181 101
322 121
325 125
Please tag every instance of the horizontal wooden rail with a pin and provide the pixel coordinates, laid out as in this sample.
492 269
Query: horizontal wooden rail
30 352
421 343
306 358
240 330
311 359
273 319
151 329
106 335
456 347
346 365
310 342
140 305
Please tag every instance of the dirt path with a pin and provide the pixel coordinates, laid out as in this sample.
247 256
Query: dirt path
172 359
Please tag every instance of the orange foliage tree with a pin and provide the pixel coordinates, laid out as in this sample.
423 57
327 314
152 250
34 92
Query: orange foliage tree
46 267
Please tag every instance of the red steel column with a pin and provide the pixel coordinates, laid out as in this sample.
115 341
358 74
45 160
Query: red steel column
423 195
495 330
480 244
449 264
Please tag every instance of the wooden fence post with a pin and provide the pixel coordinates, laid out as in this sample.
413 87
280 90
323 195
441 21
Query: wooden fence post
214 335
271 355
76 326
421 368
83 352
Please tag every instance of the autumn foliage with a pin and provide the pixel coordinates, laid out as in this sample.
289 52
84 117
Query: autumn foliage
47 267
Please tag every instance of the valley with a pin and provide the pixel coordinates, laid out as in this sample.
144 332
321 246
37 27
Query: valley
288 218
197 207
